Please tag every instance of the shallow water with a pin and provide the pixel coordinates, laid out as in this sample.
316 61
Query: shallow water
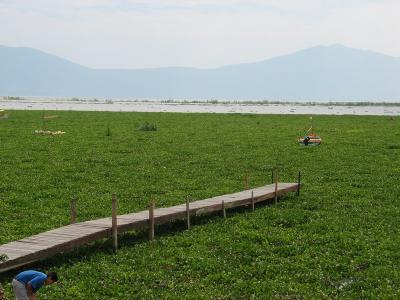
157 106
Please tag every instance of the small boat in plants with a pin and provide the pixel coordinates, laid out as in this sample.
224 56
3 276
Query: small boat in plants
310 138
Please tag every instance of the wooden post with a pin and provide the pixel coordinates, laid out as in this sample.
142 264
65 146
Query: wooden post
276 187
298 185
272 175
223 209
43 121
151 220
187 213
246 182
114 223
73 210
252 200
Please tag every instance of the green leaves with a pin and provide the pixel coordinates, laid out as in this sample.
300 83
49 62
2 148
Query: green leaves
339 239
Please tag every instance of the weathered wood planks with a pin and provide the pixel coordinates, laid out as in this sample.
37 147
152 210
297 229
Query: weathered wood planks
66 238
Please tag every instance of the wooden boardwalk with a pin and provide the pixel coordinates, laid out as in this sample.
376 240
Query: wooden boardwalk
66 238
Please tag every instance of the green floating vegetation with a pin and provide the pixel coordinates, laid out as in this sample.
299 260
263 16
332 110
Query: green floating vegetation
338 240
146 126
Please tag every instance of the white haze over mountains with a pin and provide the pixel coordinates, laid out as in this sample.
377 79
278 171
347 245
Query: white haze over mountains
195 33
334 73
199 49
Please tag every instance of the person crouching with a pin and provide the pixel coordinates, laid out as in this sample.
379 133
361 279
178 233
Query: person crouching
27 283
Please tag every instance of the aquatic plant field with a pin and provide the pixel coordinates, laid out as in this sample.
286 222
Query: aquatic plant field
339 239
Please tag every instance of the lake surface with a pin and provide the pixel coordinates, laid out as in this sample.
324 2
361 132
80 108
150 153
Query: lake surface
158 106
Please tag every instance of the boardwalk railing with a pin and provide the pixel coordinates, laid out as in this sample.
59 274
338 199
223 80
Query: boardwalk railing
66 238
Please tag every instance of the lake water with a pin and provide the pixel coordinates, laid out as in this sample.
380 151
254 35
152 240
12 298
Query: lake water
158 106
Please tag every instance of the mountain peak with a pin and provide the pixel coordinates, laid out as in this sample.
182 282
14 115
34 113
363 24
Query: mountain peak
337 45
333 47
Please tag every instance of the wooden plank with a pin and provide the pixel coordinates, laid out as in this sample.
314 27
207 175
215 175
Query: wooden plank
11 249
47 236
78 232
71 236
169 210
139 225
41 243
100 222
27 244
97 226
24 259
171 217
159 213
65 234
132 219
209 209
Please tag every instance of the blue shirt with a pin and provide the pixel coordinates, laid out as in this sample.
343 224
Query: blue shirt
34 278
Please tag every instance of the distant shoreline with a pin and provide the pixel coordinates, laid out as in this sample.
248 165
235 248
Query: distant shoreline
206 106
200 101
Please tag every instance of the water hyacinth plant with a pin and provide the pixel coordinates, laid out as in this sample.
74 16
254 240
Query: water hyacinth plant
339 239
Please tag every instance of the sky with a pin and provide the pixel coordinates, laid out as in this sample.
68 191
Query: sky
195 33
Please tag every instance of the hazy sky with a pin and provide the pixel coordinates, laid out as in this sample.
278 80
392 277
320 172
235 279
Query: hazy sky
199 33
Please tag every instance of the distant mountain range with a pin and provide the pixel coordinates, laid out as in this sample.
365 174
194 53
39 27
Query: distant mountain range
335 73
